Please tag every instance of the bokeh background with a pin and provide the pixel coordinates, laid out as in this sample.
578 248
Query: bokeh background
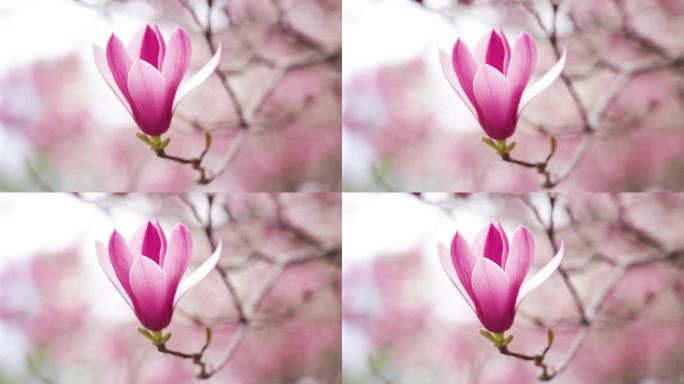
62 321
63 129
404 322
406 130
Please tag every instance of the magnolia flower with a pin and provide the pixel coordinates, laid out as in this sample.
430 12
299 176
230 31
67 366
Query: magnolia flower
147 271
147 74
492 83
490 274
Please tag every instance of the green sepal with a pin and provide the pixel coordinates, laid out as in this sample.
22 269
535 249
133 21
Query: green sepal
158 338
144 138
510 147
164 143
549 337
165 338
553 143
488 335
208 334
146 333
507 340
497 338
500 146
491 143
156 143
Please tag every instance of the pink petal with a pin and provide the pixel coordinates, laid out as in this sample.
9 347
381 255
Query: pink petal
119 63
507 51
149 284
199 274
504 240
198 78
477 246
465 68
152 243
544 82
148 88
463 261
541 276
137 240
520 258
103 68
162 47
150 47
178 255
121 259
478 243
496 53
103 259
450 74
135 45
448 267
493 245
480 51
493 94
491 287
177 59
523 61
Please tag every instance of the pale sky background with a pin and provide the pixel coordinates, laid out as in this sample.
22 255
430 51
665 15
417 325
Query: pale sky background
31 32
45 223
381 224
380 33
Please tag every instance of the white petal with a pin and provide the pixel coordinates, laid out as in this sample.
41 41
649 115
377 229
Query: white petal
544 82
448 71
198 78
448 267
541 276
103 68
103 258
200 273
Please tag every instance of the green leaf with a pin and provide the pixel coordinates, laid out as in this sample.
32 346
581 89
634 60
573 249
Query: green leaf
488 335
549 336
507 340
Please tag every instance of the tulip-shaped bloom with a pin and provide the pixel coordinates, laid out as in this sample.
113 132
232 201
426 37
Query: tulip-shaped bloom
147 271
146 75
490 274
492 81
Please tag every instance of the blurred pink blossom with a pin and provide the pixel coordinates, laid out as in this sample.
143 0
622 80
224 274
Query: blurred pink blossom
492 82
489 278
148 275
147 74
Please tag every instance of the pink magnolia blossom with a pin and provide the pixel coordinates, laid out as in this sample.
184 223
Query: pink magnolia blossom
148 272
492 82
146 75
490 274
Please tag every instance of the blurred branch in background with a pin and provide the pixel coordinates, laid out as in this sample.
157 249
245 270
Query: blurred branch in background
621 87
276 290
619 290
277 87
